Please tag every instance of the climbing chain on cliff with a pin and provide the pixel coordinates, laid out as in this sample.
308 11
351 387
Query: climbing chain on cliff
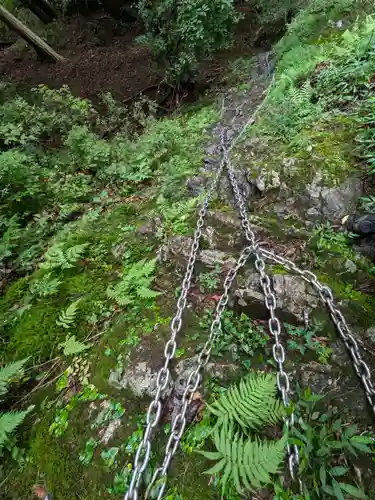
142 458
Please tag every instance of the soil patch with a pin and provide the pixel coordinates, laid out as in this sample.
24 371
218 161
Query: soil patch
102 56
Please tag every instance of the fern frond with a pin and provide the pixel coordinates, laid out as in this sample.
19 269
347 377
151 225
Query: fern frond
72 346
136 282
146 293
248 464
251 403
8 372
66 318
9 422
53 258
75 253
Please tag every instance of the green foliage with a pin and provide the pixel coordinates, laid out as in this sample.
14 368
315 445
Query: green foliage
304 339
45 286
71 346
251 403
327 449
245 462
66 318
9 372
239 336
175 216
135 284
181 34
366 137
210 280
58 257
9 421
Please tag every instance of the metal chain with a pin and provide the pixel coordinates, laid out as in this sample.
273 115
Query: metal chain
274 324
360 366
195 377
142 456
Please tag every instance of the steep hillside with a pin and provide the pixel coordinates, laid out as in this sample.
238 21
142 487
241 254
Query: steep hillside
103 211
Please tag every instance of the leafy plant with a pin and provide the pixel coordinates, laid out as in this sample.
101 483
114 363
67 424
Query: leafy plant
135 283
209 281
304 339
239 335
180 34
66 319
326 447
71 346
247 463
87 454
9 421
57 257
175 216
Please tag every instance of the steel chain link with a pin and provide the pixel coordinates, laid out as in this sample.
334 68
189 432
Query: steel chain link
195 377
274 324
142 456
360 366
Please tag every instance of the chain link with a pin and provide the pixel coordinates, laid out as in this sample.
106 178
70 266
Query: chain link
195 377
143 453
360 366
274 324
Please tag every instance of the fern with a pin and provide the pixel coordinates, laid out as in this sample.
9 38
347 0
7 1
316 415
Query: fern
252 403
135 283
66 318
10 371
56 257
72 346
247 463
9 422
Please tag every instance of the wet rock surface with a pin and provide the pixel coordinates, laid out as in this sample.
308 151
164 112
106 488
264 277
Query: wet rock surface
295 298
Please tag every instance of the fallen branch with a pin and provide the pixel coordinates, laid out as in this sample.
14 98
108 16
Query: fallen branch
42 48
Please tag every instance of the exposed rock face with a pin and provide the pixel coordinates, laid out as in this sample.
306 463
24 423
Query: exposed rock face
179 246
330 203
294 296
140 376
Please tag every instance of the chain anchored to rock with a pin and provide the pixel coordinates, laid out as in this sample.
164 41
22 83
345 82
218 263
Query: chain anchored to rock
158 481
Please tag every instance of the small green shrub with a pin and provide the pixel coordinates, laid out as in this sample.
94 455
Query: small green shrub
181 34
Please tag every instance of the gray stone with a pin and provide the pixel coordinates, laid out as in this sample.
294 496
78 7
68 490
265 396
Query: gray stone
370 334
138 377
150 227
294 296
330 203
341 388
350 266
176 246
211 258
214 369
266 180
210 236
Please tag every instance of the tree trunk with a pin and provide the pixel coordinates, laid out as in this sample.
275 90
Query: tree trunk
42 9
41 47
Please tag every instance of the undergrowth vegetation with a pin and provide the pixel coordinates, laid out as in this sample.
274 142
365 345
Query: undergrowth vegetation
89 203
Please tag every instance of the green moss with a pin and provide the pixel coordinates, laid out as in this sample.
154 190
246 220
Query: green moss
14 294
35 333
328 148
186 475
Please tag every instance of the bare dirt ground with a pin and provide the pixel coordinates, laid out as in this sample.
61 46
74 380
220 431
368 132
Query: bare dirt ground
103 55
